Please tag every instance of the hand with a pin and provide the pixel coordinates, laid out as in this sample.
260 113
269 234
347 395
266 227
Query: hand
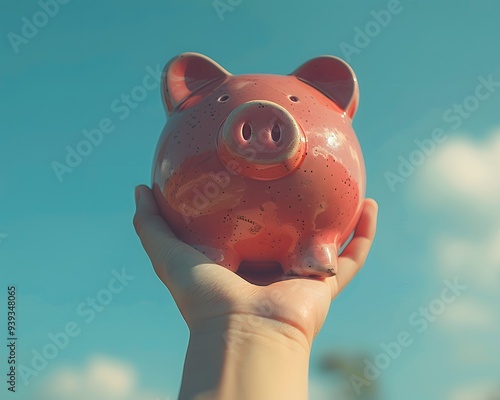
206 292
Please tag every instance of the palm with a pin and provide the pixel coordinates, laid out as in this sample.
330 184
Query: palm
215 292
205 291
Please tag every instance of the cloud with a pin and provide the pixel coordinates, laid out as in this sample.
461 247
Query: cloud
476 259
463 172
481 390
319 391
465 313
459 188
101 378
458 193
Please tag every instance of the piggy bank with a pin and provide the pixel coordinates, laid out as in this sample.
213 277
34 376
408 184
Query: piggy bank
258 169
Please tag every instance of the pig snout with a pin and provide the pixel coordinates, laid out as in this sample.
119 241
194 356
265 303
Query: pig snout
261 140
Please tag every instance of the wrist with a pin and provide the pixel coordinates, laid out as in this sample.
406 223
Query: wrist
246 357
236 329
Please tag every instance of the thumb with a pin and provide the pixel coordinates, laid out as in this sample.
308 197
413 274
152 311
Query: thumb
147 215
172 259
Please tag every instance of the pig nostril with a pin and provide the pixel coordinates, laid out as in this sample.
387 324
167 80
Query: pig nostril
246 131
276 133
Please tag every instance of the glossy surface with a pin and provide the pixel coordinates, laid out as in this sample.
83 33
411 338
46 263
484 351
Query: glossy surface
261 168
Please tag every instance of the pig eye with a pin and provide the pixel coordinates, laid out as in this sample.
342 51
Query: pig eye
295 99
223 98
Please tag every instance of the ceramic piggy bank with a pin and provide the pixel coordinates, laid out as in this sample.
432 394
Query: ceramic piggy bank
261 169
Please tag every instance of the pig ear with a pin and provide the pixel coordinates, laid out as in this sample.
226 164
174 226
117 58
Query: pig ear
186 74
334 78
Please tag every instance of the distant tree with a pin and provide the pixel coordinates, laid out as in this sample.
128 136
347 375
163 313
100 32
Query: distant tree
350 368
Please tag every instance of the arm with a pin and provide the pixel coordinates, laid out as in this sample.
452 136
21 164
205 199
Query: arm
233 360
246 341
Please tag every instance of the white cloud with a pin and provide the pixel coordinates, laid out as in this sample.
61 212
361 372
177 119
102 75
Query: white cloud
458 190
335 385
463 172
483 390
101 378
468 312
459 186
318 390
476 260
324 390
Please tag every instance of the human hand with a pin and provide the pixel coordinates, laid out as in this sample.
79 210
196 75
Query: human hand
205 292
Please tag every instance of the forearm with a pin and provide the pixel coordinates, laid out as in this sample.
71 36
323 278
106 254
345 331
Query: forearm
246 357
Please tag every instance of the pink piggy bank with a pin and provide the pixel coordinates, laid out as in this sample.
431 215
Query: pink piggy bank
257 170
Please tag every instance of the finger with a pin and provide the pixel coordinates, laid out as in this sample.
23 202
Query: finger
147 212
354 255
172 259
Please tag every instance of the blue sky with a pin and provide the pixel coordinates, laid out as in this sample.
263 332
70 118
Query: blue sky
63 239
